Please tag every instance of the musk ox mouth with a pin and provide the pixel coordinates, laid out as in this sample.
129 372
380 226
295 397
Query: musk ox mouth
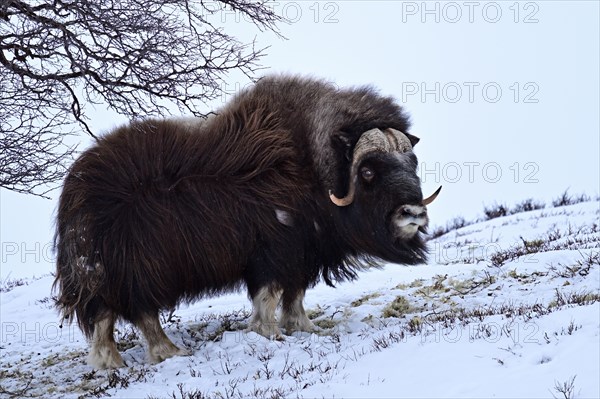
407 220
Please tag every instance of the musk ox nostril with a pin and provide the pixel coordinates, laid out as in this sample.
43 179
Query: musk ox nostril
415 211
410 219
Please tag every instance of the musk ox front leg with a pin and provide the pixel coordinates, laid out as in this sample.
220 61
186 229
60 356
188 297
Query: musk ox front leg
293 317
160 346
264 303
103 352
275 273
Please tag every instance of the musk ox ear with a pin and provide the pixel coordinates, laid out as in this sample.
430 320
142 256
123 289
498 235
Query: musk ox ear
342 142
413 139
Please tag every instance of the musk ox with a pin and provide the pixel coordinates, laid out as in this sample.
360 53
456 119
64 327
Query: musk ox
292 182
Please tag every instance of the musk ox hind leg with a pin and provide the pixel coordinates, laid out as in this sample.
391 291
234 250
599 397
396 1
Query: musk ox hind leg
293 317
103 352
160 346
264 303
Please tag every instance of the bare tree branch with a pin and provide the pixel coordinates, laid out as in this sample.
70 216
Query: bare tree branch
136 56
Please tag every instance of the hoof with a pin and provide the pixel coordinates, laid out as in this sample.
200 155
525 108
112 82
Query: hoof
163 352
105 358
269 331
298 325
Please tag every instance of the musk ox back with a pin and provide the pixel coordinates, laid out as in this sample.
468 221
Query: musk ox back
292 182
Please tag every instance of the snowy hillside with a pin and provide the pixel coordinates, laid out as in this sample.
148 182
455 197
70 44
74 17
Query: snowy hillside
506 307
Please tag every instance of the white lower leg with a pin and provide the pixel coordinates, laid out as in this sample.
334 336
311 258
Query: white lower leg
294 317
263 319
160 346
103 352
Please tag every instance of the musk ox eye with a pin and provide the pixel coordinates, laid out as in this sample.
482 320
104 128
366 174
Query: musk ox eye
367 173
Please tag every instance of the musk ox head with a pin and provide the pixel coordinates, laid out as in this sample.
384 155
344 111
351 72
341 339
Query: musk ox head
383 211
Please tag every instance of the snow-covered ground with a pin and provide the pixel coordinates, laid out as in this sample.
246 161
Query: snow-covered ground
508 307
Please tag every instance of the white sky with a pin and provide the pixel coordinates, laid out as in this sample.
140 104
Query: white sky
504 96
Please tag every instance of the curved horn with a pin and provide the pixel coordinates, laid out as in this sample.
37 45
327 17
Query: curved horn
372 140
347 200
398 140
432 197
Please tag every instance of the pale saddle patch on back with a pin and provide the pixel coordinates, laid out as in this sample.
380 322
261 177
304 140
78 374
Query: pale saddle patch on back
284 217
